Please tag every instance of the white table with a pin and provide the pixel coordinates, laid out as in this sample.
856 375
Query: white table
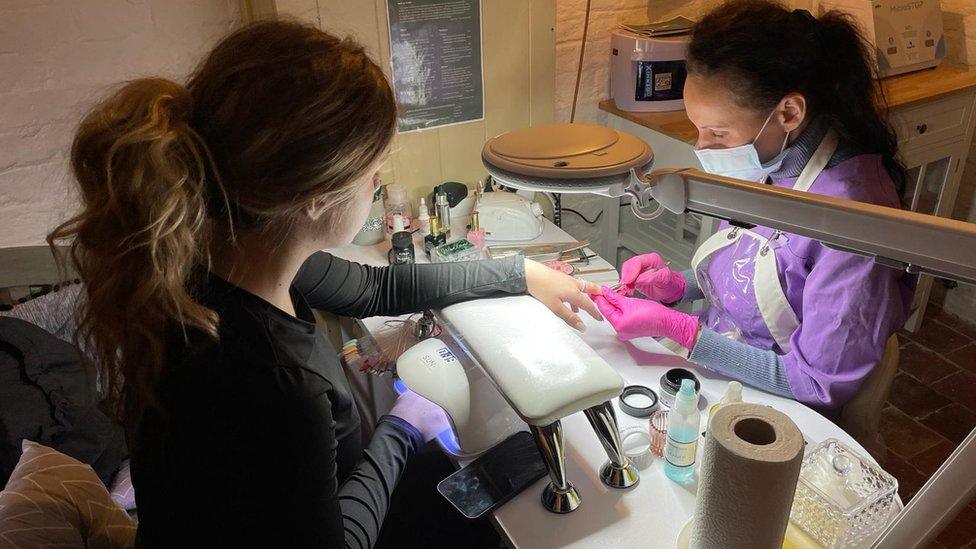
650 514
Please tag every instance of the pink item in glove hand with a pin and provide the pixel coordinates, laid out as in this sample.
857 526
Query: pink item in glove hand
649 275
633 317
423 414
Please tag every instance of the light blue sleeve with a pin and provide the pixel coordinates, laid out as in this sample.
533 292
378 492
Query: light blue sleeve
692 291
762 369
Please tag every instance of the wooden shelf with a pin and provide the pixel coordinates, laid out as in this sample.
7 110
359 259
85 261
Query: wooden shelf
900 91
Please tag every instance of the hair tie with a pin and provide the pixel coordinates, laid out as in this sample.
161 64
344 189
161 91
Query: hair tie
808 23
805 17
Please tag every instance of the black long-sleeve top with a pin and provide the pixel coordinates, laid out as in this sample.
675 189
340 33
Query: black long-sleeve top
255 439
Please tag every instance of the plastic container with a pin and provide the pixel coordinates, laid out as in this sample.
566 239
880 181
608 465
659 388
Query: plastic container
842 499
397 203
401 249
459 250
374 228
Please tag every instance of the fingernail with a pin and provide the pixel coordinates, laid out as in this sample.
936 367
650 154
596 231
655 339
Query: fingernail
579 325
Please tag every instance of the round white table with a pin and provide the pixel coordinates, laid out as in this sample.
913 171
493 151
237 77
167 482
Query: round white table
652 513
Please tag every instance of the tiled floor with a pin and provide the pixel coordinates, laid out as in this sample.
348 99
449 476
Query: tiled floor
932 407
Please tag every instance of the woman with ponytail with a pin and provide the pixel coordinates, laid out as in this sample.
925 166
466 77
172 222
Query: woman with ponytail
780 98
203 210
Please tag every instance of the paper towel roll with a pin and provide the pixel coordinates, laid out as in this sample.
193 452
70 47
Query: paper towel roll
748 475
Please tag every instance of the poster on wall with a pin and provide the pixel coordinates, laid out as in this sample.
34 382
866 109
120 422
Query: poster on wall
435 50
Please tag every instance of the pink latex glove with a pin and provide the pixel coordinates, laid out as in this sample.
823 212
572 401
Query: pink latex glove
649 275
633 317
423 414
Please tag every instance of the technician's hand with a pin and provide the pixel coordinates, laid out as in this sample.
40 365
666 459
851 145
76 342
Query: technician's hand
423 414
649 275
555 290
633 317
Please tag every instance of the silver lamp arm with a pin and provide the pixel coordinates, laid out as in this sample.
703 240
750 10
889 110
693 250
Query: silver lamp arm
897 238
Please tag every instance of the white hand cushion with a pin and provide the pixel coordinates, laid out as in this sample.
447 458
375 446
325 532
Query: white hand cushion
53 500
540 365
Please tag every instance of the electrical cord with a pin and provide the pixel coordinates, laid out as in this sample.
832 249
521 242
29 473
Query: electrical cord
585 220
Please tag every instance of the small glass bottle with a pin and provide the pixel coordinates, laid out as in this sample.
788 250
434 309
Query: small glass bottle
444 213
423 218
732 395
682 445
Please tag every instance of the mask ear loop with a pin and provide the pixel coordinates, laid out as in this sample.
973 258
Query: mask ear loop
766 123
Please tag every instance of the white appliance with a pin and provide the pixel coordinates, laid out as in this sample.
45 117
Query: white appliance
647 74
906 34
507 217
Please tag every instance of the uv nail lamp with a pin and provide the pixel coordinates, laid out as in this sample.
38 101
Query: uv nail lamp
514 355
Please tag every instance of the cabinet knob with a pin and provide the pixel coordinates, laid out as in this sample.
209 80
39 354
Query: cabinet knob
922 128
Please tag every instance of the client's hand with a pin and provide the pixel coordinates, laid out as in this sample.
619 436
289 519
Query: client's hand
649 275
555 289
634 317
423 414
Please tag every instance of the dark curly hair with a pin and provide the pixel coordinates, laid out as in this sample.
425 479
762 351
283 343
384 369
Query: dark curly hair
763 50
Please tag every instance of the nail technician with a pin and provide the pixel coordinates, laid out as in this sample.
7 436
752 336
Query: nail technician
204 210
784 99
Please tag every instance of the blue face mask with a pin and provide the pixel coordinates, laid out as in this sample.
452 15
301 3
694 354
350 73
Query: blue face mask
742 162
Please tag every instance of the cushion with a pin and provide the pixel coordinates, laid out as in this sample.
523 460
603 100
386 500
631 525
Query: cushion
53 500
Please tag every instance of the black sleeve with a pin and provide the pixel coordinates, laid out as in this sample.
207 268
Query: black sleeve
365 496
297 484
351 289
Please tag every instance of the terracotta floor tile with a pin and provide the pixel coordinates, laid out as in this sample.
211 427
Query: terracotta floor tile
964 358
924 364
935 545
960 387
930 460
903 435
938 337
953 422
915 398
961 531
910 480
961 325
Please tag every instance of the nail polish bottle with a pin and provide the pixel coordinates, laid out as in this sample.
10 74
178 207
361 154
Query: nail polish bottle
476 235
435 238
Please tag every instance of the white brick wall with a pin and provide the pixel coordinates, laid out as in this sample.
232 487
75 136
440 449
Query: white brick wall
59 56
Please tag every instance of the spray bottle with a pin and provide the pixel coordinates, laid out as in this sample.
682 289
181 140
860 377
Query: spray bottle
682 445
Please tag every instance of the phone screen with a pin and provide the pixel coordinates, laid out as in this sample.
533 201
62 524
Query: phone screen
495 477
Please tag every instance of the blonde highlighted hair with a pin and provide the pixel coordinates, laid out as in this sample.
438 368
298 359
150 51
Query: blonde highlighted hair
279 113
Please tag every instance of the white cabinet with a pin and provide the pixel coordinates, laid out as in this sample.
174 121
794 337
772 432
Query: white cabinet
933 136
934 141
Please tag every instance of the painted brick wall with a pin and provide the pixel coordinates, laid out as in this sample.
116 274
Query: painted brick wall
59 56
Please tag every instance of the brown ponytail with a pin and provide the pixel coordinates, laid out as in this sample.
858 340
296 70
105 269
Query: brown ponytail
283 112
140 170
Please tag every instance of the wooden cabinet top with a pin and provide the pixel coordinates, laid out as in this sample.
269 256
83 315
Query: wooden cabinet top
900 91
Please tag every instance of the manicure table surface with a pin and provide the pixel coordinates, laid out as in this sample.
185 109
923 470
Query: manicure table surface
652 513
